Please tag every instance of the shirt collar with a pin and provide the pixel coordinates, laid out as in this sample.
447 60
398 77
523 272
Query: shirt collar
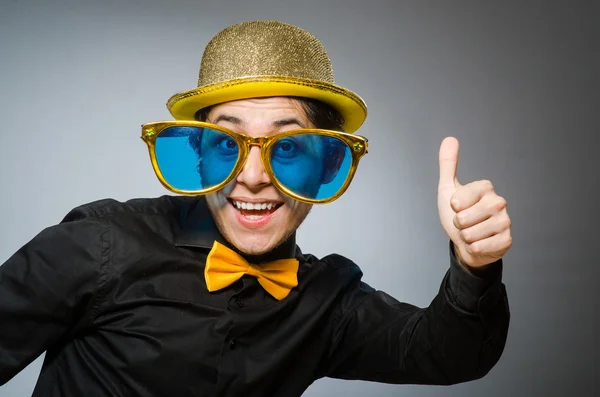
198 230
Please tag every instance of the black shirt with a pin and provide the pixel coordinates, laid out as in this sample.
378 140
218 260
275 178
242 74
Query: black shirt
116 296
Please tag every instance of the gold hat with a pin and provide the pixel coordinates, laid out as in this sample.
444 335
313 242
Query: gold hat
263 59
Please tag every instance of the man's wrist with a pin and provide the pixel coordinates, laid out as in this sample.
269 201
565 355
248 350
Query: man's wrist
467 284
476 271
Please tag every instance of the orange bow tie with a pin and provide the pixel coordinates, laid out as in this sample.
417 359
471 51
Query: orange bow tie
224 267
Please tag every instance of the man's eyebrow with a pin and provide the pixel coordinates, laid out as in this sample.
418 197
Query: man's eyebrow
231 119
277 123
290 121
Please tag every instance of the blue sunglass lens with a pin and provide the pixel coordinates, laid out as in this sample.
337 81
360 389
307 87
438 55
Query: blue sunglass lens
195 158
313 166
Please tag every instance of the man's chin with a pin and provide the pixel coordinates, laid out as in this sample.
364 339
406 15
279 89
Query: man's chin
254 252
253 245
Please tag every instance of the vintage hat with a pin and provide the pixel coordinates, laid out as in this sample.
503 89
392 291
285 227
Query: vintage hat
266 58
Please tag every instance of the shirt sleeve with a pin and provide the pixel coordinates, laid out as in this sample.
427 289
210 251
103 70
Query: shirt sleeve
47 287
466 288
458 338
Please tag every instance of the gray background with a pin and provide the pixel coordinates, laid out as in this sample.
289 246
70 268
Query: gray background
516 83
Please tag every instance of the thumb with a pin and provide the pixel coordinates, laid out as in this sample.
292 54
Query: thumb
448 163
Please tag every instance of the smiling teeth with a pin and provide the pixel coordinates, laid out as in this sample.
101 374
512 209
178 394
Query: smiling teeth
253 206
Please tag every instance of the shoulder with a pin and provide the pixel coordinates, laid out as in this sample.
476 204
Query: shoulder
111 209
333 274
138 217
339 278
332 263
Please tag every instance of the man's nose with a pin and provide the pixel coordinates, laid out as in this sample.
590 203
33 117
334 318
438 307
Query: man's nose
253 174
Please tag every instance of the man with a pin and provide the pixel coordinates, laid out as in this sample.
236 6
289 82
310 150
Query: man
208 295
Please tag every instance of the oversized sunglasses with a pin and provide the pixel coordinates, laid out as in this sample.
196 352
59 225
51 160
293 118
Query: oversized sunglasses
310 165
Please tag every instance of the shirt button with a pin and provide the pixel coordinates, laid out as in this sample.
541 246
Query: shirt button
232 344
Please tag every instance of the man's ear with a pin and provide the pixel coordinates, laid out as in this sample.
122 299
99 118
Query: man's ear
195 142
334 157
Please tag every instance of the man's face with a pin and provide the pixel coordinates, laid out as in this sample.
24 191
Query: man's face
257 231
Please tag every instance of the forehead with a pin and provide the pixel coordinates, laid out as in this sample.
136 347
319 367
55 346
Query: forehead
261 110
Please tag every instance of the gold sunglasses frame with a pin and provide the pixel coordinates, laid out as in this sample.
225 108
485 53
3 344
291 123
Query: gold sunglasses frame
357 144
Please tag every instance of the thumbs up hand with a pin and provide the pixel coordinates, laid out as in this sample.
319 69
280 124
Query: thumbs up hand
473 216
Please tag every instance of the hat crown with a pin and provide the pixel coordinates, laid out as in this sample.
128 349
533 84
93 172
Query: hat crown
264 48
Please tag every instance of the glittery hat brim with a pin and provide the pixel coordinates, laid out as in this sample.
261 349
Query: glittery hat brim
184 105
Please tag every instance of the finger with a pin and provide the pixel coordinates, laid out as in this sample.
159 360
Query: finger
494 246
488 228
469 194
448 158
488 206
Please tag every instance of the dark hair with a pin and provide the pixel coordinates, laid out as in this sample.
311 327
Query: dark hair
320 114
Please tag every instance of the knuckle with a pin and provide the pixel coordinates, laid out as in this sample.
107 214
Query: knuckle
461 219
486 184
474 248
465 236
502 224
500 203
454 203
456 222
495 203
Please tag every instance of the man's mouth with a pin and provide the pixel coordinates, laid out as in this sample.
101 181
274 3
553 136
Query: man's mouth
255 210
